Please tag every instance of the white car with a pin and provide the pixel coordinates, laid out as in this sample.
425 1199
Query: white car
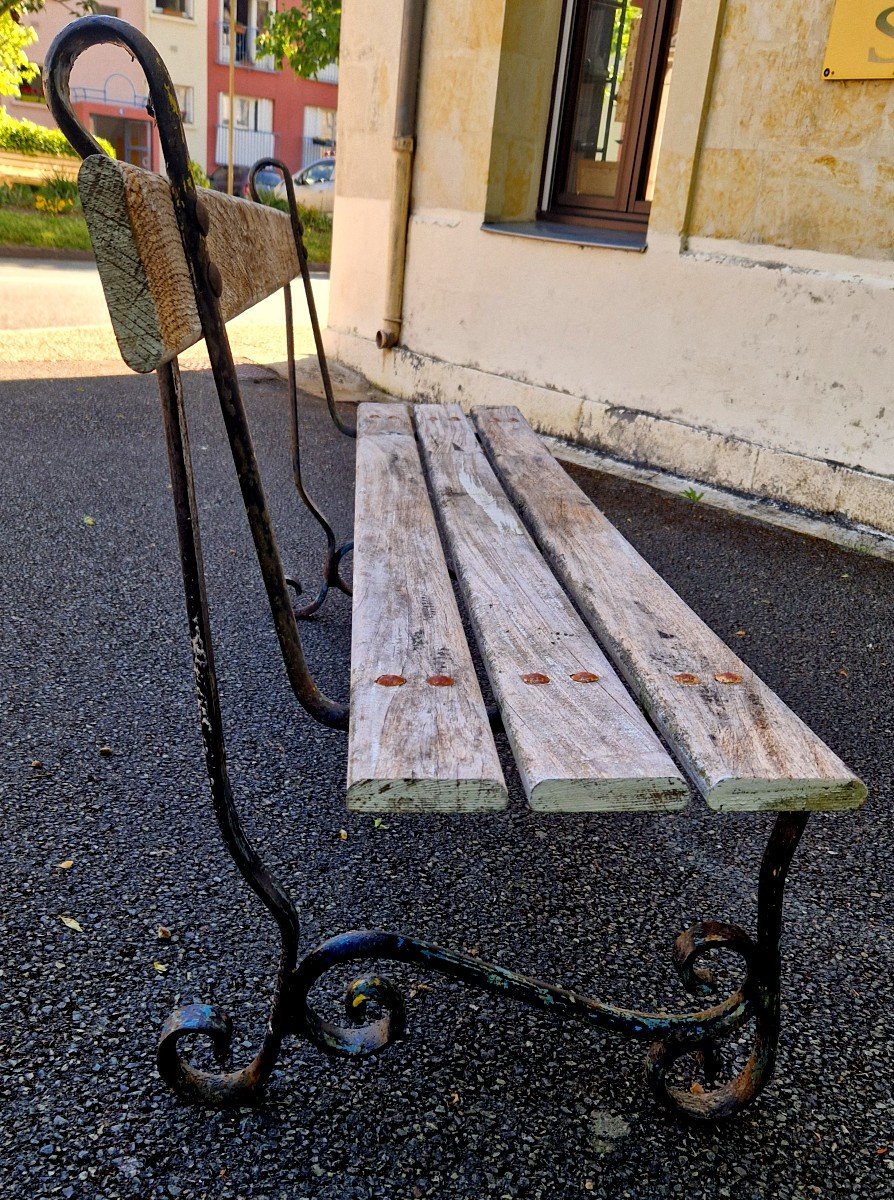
314 185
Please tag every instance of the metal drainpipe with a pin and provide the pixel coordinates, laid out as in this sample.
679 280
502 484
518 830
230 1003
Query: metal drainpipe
404 145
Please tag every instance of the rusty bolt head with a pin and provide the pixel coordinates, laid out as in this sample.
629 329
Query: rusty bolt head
203 218
440 681
391 681
215 279
584 677
535 677
687 679
728 677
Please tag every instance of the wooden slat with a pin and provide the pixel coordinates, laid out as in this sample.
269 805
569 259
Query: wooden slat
743 747
416 747
130 216
580 746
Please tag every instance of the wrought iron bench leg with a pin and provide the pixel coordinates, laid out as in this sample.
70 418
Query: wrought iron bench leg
672 1035
334 552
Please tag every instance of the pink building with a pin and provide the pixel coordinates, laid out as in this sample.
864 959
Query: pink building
275 112
107 87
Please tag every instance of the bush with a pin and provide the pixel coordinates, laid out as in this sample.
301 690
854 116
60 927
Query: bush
59 190
26 137
199 178
16 195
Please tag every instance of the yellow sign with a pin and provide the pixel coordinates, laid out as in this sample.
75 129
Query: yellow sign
861 41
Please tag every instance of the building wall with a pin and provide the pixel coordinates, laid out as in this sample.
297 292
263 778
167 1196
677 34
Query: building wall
746 347
790 159
105 69
183 44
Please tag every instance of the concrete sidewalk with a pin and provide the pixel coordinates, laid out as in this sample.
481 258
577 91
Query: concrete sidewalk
483 1099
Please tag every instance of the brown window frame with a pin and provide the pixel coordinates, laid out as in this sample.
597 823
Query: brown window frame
627 209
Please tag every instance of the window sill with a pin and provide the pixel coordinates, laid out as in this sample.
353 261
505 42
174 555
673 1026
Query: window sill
576 235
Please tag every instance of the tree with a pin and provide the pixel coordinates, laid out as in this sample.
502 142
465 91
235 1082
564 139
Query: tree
305 37
15 66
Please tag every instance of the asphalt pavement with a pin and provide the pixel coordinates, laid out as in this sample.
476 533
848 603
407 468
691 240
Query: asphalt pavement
106 823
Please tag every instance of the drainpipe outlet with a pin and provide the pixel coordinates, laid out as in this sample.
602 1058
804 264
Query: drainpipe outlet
388 335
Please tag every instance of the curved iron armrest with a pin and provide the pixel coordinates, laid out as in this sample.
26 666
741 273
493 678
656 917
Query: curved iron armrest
205 278
672 1035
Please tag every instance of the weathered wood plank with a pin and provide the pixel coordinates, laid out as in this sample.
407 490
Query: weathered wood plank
742 746
580 742
130 216
424 745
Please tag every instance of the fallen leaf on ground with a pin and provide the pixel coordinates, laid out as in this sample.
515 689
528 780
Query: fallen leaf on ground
160 967
106 751
89 521
71 923
36 764
164 933
66 864
343 834
741 633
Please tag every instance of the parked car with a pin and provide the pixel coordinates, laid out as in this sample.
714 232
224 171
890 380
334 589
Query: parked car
314 185
267 180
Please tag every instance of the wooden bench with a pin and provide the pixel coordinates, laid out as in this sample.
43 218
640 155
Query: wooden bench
614 695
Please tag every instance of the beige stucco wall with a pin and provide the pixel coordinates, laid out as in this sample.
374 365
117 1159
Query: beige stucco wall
758 367
788 158
183 44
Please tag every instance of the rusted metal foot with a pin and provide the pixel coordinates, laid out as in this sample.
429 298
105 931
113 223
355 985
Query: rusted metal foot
760 988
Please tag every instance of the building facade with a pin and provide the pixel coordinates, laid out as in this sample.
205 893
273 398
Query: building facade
663 230
276 113
107 87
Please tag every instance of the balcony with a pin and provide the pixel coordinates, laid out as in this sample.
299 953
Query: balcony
248 146
117 90
246 51
328 74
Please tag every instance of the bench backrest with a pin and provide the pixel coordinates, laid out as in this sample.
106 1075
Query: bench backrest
143 267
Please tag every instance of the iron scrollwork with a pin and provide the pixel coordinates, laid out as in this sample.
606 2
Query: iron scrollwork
374 1008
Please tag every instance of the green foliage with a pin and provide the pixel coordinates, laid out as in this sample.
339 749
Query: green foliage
16 195
305 37
26 137
692 494
317 228
15 66
199 178
19 228
57 187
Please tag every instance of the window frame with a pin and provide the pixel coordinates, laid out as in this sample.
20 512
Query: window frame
627 209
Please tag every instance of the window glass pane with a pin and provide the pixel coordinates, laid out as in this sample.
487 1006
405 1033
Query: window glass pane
664 84
603 95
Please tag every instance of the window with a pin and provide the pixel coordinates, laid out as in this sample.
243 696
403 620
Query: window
174 8
320 173
612 78
185 96
32 90
106 10
249 112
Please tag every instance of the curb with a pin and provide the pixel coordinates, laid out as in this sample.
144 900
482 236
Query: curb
50 253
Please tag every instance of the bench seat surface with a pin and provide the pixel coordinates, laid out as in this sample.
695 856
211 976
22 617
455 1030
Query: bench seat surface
581 744
416 746
742 746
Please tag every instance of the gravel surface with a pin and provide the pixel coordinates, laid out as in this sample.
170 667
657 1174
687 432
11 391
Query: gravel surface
101 770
